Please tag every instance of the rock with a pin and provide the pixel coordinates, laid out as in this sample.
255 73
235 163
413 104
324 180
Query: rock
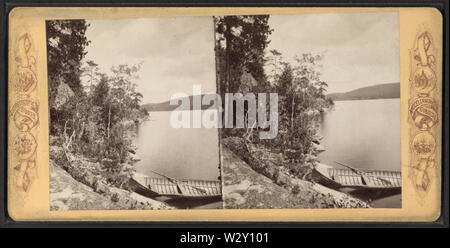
100 187
63 94
88 190
282 179
248 82
262 184
68 194
89 179
277 158
133 157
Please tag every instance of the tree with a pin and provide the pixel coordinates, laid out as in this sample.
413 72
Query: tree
66 43
274 64
96 120
240 45
91 70
301 96
241 41
120 109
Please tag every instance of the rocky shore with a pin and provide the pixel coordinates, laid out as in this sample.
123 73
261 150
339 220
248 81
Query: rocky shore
256 178
77 184
252 178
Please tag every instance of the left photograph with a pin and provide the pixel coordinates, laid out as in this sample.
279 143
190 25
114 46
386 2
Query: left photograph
121 94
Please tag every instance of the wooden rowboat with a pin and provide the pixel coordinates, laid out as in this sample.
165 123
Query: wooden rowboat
176 188
357 178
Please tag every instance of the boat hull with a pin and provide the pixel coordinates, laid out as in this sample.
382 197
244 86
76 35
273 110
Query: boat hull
368 185
177 189
363 180
370 194
318 177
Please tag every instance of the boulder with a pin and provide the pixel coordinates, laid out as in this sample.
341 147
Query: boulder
89 179
63 94
100 187
306 193
282 179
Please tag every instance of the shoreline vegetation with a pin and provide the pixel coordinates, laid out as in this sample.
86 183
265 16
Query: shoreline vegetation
78 182
93 123
257 178
274 173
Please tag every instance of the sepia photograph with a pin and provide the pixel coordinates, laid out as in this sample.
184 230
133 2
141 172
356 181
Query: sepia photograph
234 112
121 94
224 115
336 80
156 116
306 108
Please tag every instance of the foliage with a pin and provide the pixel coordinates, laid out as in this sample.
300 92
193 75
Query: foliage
66 43
241 47
105 119
301 99
241 41
99 119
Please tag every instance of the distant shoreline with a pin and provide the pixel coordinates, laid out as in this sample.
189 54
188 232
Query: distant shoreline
346 100
379 91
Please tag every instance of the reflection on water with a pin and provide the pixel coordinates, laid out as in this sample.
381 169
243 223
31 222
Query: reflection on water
184 153
364 134
191 153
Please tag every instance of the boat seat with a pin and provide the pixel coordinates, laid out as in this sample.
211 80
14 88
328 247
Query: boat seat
363 180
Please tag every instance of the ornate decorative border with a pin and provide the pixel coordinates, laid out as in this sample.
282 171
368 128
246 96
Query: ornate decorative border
24 112
25 199
423 113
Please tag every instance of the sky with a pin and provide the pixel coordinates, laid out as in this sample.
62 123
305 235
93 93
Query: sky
360 49
176 52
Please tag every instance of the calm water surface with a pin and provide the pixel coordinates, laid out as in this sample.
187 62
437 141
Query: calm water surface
364 134
191 153
184 153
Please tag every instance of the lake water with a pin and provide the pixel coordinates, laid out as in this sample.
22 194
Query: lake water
364 134
191 153
185 153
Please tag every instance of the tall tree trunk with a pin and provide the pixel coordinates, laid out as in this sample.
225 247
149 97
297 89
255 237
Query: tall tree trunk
227 59
109 119
292 112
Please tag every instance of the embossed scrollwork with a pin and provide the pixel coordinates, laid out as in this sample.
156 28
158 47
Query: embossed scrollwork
423 113
25 111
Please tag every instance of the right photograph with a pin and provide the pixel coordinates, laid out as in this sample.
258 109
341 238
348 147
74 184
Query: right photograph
312 110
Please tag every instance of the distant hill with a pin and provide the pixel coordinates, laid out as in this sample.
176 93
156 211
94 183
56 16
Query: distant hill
379 91
165 106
